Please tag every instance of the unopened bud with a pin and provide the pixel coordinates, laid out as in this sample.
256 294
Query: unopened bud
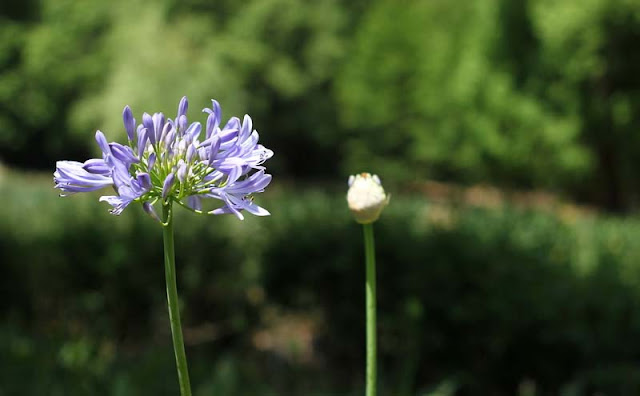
366 197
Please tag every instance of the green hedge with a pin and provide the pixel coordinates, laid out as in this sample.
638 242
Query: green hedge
472 92
480 300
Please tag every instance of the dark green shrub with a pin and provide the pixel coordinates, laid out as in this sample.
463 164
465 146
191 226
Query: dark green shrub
482 299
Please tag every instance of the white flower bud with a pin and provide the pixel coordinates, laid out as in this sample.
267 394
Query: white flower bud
366 197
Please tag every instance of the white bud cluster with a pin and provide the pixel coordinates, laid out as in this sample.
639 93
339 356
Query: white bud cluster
366 197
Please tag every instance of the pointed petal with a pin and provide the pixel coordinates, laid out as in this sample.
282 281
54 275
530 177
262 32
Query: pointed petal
182 107
129 122
148 208
147 121
102 142
194 202
166 186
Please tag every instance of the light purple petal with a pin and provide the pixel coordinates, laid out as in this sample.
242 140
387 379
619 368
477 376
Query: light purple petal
147 121
193 131
256 210
120 174
256 183
194 202
150 211
102 143
247 128
158 125
142 141
118 202
129 122
182 124
123 153
96 166
213 150
70 176
145 180
152 161
166 186
228 209
165 132
191 150
182 107
215 115
182 171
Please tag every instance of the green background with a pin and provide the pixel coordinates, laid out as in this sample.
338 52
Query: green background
518 272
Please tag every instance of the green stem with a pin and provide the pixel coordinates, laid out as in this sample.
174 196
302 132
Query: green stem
172 299
369 249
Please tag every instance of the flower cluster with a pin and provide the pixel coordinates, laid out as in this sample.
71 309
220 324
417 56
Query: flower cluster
366 197
166 160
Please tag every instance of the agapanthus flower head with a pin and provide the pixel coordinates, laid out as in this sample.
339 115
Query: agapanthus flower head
171 161
366 197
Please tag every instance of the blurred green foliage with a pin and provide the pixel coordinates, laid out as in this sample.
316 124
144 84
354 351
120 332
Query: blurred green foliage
532 94
476 300
429 83
526 94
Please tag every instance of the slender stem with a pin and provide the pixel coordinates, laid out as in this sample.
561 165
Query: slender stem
172 299
369 249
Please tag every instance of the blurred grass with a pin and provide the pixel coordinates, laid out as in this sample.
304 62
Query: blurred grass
482 300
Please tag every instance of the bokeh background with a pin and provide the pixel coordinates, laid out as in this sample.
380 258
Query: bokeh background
507 131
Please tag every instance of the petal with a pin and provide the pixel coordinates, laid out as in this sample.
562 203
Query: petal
247 128
70 175
166 129
227 210
129 122
102 142
96 166
142 141
194 202
119 203
147 121
123 153
182 171
256 210
213 150
234 174
170 137
182 107
145 181
182 124
151 161
150 211
191 150
193 131
166 186
213 121
120 174
158 124
255 183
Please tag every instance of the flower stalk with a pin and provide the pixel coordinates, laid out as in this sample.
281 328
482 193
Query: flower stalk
172 299
370 286
366 199
166 160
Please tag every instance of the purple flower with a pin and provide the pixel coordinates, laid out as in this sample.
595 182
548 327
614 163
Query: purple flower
237 195
166 161
72 177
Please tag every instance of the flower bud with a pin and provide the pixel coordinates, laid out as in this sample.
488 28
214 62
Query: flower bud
166 186
151 211
129 122
182 171
182 107
366 197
